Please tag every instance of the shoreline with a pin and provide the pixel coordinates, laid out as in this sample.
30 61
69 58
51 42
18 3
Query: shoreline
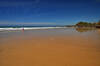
28 28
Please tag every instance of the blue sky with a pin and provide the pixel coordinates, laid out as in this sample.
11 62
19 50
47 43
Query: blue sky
50 12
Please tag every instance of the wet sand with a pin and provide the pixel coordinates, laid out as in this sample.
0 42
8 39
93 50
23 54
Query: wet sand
56 47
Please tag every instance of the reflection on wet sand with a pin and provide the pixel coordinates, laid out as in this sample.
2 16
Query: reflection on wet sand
85 29
98 30
50 50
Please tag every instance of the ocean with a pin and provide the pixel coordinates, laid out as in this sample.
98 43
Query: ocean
17 27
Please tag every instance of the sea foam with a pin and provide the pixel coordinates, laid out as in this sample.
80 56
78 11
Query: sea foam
27 28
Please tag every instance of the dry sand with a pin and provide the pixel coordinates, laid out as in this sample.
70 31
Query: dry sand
50 51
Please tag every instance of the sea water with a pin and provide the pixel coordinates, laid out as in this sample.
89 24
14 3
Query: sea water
16 27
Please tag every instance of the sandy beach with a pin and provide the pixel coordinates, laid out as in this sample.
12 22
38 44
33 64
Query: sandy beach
52 47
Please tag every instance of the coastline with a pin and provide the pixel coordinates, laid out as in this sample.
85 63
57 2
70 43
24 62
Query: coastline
27 28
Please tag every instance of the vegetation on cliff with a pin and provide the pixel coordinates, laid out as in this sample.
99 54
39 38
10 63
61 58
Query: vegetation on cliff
88 24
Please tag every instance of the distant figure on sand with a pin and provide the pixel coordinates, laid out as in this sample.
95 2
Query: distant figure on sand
23 29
